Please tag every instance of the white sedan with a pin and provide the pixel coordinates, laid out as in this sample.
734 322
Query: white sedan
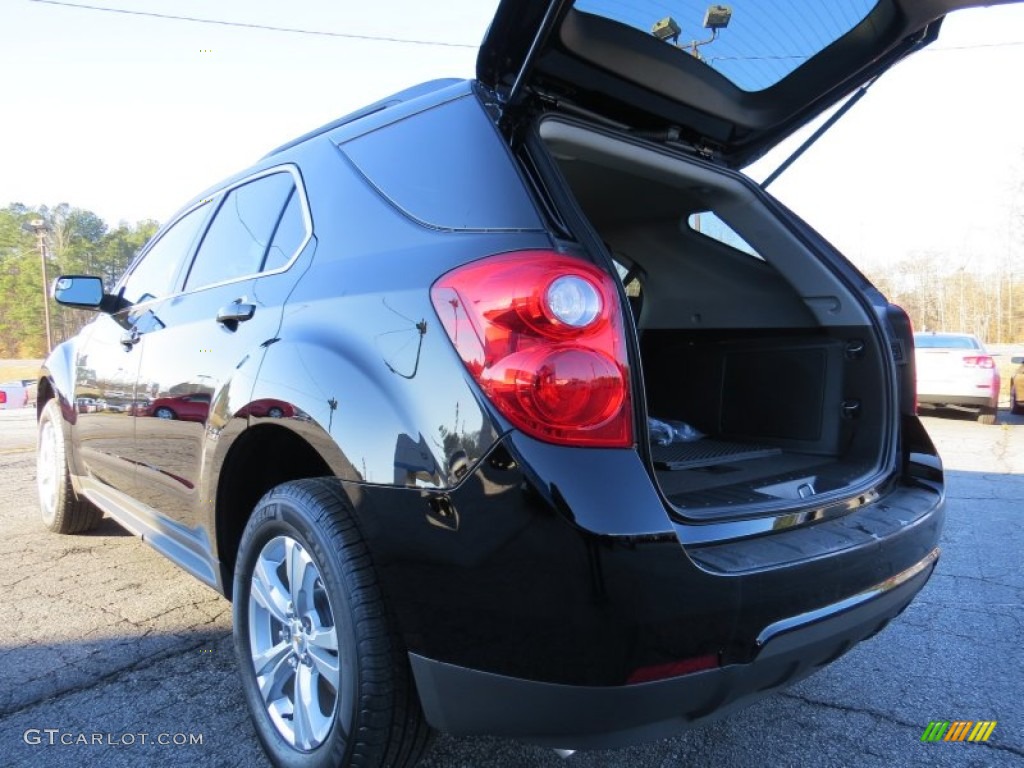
954 371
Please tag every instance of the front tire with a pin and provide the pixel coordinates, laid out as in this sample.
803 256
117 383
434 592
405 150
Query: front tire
324 674
164 413
62 511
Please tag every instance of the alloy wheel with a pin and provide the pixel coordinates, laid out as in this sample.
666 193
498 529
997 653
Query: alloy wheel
294 643
46 470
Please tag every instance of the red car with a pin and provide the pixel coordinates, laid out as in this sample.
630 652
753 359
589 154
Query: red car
275 409
193 407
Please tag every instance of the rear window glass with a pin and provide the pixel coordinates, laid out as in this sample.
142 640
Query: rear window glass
945 341
447 168
760 44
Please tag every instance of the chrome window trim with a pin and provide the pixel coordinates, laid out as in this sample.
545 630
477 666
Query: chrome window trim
216 199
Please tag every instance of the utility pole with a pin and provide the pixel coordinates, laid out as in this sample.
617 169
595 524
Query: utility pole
39 227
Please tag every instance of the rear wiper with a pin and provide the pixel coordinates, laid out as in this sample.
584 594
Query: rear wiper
857 96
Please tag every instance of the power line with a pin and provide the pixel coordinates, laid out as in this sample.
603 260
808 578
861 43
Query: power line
784 57
805 56
411 41
266 27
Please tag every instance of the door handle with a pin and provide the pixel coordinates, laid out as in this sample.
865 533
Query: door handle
130 338
236 312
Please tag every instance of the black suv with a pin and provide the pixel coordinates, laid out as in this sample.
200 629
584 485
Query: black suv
400 391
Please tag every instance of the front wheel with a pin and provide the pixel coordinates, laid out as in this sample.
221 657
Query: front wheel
164 413
323 671
62 511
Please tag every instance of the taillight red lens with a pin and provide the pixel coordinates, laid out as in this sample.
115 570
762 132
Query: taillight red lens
542 335
979 361
3 397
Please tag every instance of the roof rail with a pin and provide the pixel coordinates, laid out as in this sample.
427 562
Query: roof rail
397 98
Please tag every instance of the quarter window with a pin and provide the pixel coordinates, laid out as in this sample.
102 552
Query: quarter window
237 242
708 224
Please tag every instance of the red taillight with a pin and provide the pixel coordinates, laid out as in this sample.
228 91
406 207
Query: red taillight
979 361
3 397
542 335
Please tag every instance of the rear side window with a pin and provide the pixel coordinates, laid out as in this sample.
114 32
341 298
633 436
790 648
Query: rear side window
238 240
446 167
630 278
154 276
708 224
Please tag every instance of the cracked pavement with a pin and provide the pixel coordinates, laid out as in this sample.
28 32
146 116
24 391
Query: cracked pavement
101 635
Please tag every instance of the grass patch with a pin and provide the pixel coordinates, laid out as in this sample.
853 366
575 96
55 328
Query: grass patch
11 370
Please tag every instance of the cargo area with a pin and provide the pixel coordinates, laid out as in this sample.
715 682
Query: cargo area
745 334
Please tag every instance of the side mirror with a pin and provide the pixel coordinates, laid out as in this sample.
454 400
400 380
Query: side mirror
1017 360
79 291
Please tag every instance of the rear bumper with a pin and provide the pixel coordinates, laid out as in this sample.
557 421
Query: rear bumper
464 701
962 401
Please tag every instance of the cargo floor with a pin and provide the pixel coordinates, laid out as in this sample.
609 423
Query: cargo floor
749 474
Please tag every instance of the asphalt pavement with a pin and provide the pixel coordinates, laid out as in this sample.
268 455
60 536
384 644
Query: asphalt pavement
110 655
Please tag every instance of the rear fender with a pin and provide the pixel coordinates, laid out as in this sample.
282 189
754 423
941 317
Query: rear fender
407 420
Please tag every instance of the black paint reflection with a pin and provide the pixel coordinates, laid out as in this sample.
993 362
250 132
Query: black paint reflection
414 462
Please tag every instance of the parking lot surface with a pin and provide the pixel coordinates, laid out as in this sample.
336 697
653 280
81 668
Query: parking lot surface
110 655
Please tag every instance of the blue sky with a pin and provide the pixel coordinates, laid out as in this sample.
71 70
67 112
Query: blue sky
130 116
931 161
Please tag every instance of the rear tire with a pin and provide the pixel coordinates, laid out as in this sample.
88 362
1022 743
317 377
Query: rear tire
62 511
324 674
987 416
